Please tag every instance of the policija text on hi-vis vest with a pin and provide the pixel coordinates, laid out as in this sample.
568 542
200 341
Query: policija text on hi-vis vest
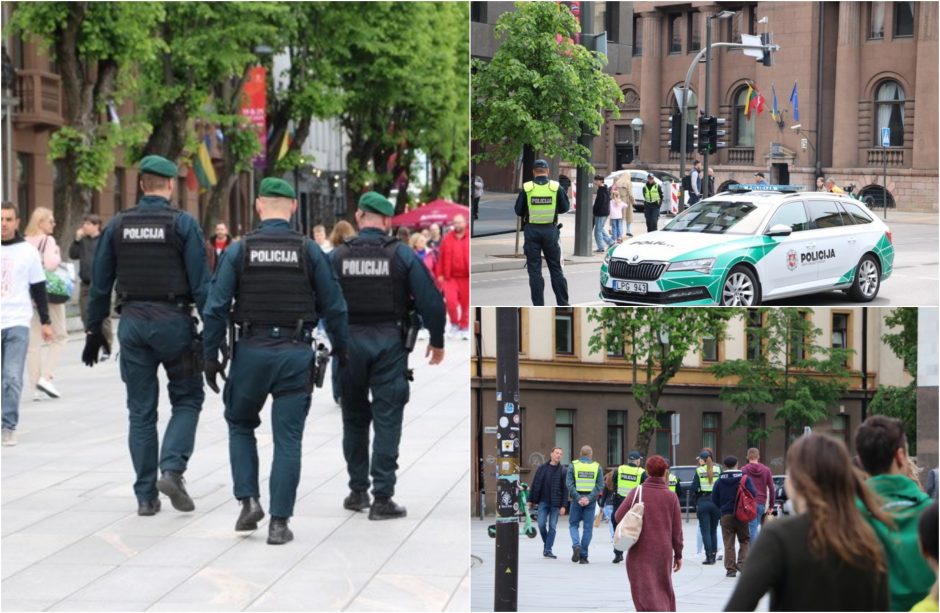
703 483
585 475
628 478
374 281
541 200
274 267
149 254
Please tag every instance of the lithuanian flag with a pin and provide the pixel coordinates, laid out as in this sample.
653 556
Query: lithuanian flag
205 172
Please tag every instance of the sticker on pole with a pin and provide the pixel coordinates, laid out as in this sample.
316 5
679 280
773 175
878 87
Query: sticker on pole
885 136
508 445
509 408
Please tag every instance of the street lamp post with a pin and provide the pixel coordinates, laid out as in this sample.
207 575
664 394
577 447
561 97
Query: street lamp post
637 127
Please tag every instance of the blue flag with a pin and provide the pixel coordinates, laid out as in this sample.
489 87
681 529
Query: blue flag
795 101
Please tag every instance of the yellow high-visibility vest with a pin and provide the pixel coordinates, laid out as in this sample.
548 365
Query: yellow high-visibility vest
703 483
628 478
541 200
585 475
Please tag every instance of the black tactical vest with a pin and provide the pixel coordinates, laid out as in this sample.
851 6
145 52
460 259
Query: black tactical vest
274 286
149 253
374 280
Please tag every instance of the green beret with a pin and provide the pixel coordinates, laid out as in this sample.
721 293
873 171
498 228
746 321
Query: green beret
273 187
377 203
158 165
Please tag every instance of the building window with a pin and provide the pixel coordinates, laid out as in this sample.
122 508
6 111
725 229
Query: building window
903 19
695 31
798 338
614 346
664 435
564 433
754 322
736 26
711 426
755 432
96 203
564 330
612 21
709 349
616 435
675 33
743 127
751 20
889 110
24 173
876 30
637 36
478 12
119 187
840 428
840 330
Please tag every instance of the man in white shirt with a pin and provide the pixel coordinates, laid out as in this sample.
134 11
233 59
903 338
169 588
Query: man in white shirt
23 283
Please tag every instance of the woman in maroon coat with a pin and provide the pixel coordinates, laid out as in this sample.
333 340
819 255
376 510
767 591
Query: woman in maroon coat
658 551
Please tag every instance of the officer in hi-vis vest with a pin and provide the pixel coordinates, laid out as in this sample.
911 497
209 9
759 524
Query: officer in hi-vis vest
709 516
282 284
539 203
384 283
628 477
585 481
155 254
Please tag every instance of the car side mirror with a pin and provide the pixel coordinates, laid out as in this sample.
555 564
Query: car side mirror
779 230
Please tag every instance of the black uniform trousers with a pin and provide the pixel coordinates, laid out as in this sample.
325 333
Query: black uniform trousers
539 239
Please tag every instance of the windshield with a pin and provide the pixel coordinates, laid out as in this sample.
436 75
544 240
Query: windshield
718 217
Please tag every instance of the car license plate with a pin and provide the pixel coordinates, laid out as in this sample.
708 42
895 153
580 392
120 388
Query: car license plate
631 287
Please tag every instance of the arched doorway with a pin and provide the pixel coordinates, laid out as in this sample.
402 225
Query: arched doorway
874 196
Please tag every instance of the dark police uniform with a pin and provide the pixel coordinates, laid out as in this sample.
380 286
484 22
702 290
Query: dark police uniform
541 235
382 278
652 199
157 258
282 283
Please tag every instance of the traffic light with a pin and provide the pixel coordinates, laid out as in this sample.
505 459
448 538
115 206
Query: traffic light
704 134
714 133
674 134
768 57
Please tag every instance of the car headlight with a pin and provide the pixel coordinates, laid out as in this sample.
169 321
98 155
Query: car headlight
703 265
607 257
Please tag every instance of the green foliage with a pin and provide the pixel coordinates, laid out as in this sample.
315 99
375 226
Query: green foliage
904 343
900 403
654 342
795 375
538 90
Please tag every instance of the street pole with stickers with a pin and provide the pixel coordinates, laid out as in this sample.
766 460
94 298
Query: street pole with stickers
508 431
885 143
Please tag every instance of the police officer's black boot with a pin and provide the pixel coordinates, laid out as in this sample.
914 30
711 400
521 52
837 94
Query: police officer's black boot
278 532
618 556
171 485
384 507
151 507
251 514
357 501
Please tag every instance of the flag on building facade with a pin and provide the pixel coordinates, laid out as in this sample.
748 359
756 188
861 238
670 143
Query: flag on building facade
795 101
747 101
774 109
285 145
755 101
205 172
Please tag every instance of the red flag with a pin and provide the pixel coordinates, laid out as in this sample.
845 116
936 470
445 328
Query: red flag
192 184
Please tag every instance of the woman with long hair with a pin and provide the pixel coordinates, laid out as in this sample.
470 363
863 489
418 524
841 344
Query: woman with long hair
709 515
826 557
341 231
657 552
39 234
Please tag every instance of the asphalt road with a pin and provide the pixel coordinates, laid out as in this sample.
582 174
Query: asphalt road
913 283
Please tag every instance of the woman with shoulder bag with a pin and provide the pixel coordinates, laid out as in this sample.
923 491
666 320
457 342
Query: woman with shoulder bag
39 234
657 552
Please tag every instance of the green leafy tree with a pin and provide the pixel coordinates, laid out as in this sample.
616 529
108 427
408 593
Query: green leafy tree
654 342
94 45
894 401
540 89
786 369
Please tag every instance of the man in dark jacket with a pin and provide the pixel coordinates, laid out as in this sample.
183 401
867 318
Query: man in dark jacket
724 496
601 212
83 250
549 494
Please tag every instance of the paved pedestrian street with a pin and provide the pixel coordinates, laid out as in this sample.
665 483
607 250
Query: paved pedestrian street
560 585
71 538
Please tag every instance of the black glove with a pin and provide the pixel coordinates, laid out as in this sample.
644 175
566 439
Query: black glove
94 341
213 368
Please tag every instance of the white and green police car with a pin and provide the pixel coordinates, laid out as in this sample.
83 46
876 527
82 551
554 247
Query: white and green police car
755 243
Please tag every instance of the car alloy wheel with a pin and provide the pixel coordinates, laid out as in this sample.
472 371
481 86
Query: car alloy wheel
739 289
867 280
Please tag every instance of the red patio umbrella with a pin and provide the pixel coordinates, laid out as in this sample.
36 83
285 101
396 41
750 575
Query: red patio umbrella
438 211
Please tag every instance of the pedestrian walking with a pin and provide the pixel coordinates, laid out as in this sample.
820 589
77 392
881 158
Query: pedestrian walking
627 478
831 186
724 495
538 204
821 184
695 182
477 194
83 249
155 256
759 178
703 482
383 282
624 187
601 212
825 557
927 530
548 495
282 283
617 208
453 275
763 481
216 244
23 284
584 482
657 553
882 448
43 356
652 199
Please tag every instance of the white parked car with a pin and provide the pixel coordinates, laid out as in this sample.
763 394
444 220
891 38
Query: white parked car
742 247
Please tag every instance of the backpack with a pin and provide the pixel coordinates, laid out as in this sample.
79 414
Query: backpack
745 506
629 528
687 183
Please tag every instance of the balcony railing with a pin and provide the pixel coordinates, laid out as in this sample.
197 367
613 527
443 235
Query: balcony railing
894 157
40 95
741 155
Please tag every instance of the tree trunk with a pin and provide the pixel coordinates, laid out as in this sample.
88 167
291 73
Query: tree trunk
70 200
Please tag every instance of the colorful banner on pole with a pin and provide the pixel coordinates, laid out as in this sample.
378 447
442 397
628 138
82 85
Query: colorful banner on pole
254 107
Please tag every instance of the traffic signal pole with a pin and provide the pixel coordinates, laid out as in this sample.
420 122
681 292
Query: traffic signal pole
708 87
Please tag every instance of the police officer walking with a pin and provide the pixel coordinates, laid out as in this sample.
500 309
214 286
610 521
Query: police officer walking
155 254
282 283
629 477
584 482
539 204
383 281
652 200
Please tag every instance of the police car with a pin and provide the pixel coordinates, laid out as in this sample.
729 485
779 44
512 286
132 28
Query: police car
755 243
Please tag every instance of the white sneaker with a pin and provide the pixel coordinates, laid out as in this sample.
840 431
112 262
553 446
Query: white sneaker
452 331
37 396
9 438
46 386
465 334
